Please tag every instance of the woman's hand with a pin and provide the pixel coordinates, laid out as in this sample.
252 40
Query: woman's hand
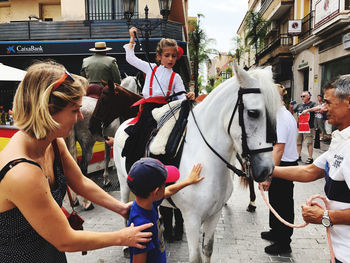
190 95
126 210
194 176
133 236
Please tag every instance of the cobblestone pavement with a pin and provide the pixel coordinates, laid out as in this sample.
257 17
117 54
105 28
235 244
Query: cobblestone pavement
237 236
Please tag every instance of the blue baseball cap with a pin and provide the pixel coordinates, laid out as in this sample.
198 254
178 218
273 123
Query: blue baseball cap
147 174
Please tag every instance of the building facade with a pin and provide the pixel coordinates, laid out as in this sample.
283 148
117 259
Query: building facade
307 44
64 30
322 49
275 49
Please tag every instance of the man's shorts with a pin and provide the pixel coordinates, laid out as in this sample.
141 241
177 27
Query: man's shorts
307 137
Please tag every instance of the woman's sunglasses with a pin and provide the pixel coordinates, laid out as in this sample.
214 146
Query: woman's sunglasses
62 79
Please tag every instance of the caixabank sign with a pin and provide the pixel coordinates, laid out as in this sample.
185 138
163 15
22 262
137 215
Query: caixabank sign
24 49
69 47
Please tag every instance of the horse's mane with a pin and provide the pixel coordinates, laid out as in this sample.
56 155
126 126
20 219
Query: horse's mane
264 79
128 93
268 88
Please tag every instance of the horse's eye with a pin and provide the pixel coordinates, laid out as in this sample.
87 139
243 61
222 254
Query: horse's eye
253 113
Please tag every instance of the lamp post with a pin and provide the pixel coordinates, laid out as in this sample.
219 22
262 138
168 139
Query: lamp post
146 25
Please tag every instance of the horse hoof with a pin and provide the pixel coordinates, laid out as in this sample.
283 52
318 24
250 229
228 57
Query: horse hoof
251 208
106 182
126 252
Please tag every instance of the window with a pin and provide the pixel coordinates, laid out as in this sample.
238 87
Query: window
106 9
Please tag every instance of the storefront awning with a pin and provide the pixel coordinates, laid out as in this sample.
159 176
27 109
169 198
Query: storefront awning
11 74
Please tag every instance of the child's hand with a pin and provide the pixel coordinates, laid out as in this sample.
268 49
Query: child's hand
194 176
190 95
109 140
132 32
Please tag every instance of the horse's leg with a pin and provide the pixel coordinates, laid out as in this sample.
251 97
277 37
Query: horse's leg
209 227
72 147
86 156
251 207
192 226
106 180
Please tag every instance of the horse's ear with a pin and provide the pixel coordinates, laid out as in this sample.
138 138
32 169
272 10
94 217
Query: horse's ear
243 77
104 83
268 70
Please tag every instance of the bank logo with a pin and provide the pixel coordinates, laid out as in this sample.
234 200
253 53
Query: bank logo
24 49
10 49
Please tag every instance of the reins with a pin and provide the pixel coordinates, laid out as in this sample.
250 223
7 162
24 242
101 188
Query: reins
308 202
230 166
246 151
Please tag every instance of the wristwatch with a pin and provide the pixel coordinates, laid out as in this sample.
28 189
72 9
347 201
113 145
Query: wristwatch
326 221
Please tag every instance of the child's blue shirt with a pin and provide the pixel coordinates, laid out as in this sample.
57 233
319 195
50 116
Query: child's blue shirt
156 247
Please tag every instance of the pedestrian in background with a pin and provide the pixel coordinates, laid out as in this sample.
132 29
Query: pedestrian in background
306 130
280 191
36 168
100 66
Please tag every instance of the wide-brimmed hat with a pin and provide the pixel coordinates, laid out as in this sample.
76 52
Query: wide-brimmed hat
100 47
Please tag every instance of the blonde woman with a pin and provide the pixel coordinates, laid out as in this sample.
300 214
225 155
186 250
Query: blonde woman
33 227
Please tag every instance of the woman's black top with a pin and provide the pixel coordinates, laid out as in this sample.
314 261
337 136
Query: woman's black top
19 242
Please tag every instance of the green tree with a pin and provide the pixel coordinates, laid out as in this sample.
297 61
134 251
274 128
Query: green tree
256 29
198 47
238 50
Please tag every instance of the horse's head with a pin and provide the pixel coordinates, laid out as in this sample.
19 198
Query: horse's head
114 102
257 104
131 83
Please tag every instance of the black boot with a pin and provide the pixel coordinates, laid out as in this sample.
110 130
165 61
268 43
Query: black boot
179 225
167 217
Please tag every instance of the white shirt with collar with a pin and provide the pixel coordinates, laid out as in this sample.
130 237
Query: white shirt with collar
336 163
163 75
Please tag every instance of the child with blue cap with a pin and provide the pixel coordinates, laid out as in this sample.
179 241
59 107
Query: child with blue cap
146 179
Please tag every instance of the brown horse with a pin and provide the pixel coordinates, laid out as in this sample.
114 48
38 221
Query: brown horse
114 102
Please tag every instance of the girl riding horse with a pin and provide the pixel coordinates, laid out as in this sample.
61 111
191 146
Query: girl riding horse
160 82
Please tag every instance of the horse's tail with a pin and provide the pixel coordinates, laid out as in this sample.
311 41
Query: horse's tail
71 144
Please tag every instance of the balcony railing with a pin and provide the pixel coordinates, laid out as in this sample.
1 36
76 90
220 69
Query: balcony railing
307 26
279 40
264 6
69 30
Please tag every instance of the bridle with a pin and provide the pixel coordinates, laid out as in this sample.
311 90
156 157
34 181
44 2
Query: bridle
244 158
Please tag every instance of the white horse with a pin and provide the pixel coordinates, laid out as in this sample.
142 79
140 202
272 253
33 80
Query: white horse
245 134
86 139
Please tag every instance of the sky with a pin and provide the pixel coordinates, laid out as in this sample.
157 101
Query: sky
221 19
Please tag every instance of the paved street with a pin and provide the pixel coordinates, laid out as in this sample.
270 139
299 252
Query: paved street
237 237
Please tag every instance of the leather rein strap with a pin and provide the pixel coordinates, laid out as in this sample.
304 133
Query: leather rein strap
246 151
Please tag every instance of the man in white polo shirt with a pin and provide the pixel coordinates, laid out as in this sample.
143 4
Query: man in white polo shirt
334 165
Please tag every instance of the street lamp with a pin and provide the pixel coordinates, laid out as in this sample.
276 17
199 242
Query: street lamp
146 25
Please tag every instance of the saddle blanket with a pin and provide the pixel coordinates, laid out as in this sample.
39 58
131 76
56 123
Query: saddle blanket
164 117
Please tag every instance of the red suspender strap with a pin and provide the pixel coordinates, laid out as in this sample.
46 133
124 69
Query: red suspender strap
151 81
170 84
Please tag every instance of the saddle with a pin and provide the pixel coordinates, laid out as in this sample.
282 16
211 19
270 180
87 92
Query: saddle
94 91
166 140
